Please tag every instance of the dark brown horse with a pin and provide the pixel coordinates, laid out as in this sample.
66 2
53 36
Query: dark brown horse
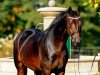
45 52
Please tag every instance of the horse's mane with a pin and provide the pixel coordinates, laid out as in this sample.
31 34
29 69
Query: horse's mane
58 19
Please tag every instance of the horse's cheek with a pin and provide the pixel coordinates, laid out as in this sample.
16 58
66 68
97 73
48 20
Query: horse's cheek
69 31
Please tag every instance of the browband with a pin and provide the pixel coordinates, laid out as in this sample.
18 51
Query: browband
74 18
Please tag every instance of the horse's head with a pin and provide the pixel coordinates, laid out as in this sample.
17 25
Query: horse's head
74 26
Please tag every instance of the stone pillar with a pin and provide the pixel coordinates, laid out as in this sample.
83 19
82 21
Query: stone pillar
47 21
49 14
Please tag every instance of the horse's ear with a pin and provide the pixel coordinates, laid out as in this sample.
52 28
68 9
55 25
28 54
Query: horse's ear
69 9
79 9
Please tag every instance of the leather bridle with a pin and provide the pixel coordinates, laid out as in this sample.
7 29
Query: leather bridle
73 18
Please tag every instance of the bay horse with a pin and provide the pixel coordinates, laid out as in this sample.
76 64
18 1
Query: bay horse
45 52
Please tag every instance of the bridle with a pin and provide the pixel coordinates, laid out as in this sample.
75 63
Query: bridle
76 26
69 25
76 31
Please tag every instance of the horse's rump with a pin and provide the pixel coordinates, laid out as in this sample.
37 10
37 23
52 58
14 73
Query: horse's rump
26 47
24 36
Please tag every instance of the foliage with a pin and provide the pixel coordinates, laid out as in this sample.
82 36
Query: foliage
17 15
90 17
92 3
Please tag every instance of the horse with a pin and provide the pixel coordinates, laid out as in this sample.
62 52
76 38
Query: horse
45 52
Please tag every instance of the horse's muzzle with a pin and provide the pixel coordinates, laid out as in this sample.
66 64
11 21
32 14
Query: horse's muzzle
76 44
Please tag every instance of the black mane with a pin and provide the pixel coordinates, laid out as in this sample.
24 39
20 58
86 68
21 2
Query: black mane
58 19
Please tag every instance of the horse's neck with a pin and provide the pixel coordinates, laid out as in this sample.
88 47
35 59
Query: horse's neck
57 36
60 31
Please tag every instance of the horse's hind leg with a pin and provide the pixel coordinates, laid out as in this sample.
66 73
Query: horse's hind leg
21 68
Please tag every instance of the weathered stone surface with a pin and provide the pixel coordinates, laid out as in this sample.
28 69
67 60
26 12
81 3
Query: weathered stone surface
85 62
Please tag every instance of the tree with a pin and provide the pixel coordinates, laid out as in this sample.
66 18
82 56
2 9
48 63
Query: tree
16 15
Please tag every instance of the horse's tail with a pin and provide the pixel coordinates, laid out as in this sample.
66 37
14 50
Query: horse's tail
21 68
16 49
19 42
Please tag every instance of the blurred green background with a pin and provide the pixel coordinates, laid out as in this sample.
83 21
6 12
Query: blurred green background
17 15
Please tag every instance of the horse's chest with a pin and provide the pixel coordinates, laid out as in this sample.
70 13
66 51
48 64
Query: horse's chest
60 60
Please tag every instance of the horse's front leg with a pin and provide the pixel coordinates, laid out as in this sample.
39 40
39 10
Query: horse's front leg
46 70
61 73
21 69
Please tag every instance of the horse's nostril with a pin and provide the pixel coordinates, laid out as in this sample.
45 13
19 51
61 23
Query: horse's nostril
78 43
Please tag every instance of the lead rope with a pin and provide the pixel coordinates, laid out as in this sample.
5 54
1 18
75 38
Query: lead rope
79 61
74 67
92 64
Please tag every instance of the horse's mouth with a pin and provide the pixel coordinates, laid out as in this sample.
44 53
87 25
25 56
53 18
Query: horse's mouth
76 44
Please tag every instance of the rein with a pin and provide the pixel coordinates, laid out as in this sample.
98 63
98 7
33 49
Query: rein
77 61
92 63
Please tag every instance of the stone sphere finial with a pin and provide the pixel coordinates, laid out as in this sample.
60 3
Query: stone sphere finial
51 3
